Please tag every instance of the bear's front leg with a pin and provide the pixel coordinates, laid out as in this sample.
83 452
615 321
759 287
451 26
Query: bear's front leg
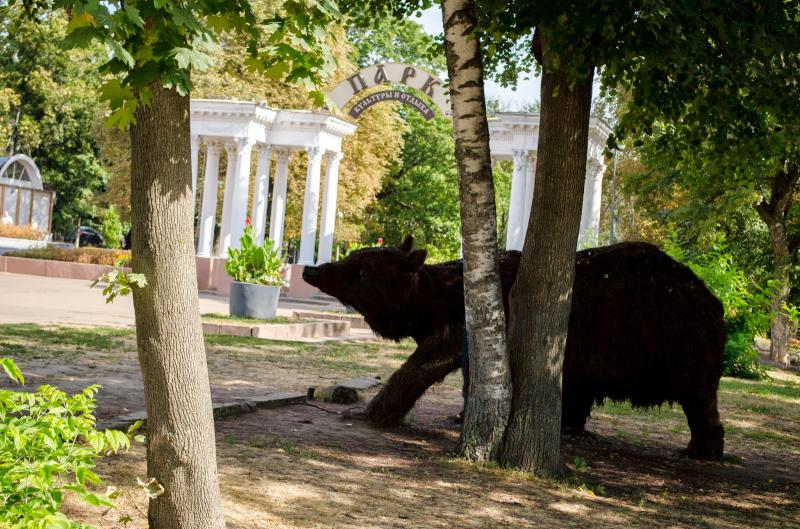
435 357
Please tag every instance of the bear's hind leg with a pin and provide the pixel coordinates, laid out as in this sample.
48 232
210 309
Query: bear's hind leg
708 436
575 411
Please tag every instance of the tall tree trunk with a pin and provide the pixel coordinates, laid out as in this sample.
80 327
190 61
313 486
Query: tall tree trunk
775 214
489 395
541 298
181 453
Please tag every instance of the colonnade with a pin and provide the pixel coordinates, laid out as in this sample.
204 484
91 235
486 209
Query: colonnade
521 200
236 195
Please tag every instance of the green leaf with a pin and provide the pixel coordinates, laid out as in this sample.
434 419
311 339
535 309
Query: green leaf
278 70
115 93
97 501
134 15
120 53
188 58
12 370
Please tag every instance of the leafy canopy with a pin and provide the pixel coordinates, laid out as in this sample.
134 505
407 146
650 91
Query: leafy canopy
165 40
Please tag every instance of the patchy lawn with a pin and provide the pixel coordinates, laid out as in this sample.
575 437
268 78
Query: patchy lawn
300 467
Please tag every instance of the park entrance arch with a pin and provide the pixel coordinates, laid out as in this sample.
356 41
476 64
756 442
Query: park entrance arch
357 88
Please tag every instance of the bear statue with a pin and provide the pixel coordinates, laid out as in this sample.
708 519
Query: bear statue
643 328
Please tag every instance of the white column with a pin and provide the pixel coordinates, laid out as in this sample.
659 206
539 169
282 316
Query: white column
590 212
597 197
530 178
516 207
258 217
227 200
195 155
328 222
208 212
278 213
241 191
308 232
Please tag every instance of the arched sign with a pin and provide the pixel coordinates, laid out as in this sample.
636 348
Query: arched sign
391 73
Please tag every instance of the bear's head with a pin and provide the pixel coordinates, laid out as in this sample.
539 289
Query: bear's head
380 283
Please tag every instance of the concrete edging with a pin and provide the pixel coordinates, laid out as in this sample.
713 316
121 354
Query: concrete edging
223 409
281 331
356 320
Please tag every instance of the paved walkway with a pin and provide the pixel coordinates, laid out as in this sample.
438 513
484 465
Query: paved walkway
35 299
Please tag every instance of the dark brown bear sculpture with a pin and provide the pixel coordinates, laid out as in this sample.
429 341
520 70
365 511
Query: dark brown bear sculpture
643 328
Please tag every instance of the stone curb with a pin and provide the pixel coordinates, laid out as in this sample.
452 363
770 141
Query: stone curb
356 320
282 331
222 409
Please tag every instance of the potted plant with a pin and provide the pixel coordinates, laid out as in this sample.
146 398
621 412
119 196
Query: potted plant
257 273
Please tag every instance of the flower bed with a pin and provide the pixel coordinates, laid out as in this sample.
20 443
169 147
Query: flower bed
98 256
21 232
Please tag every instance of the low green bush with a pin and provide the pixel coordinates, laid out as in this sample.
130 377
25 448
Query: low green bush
99 256
48 447
251 263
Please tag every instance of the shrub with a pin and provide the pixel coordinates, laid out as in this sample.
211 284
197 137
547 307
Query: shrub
99 256
48 447
112 230
746 306
256 264
21 232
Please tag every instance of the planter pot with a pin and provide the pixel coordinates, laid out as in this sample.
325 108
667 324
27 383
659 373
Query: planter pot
254 301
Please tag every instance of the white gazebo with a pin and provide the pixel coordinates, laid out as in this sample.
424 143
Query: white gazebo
23 199
242 128
515 136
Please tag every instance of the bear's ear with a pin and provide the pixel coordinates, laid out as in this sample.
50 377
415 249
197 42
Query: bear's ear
416 259
407 244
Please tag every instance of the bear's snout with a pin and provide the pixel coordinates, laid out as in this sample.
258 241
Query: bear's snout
310 273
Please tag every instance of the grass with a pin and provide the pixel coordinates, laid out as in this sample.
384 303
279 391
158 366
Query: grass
37 342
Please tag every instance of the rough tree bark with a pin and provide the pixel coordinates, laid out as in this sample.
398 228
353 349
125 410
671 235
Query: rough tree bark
540 300
489 396
181 452
775 214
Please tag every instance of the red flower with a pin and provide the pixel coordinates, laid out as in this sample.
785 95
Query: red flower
380 241
247 221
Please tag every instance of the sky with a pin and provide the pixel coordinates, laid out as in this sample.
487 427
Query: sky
527 90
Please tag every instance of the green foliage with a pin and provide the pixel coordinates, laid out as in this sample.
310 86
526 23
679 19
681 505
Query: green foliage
112 228
165 40
48 447
120 283
251 263
420 195
746 307
391 40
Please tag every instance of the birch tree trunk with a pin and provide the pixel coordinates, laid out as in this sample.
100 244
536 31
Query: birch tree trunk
541 298
775 214
489 395
181 454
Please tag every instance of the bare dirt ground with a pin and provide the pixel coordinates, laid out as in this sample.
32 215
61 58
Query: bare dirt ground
301 467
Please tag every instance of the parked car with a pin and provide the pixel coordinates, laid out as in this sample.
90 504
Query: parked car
88 237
